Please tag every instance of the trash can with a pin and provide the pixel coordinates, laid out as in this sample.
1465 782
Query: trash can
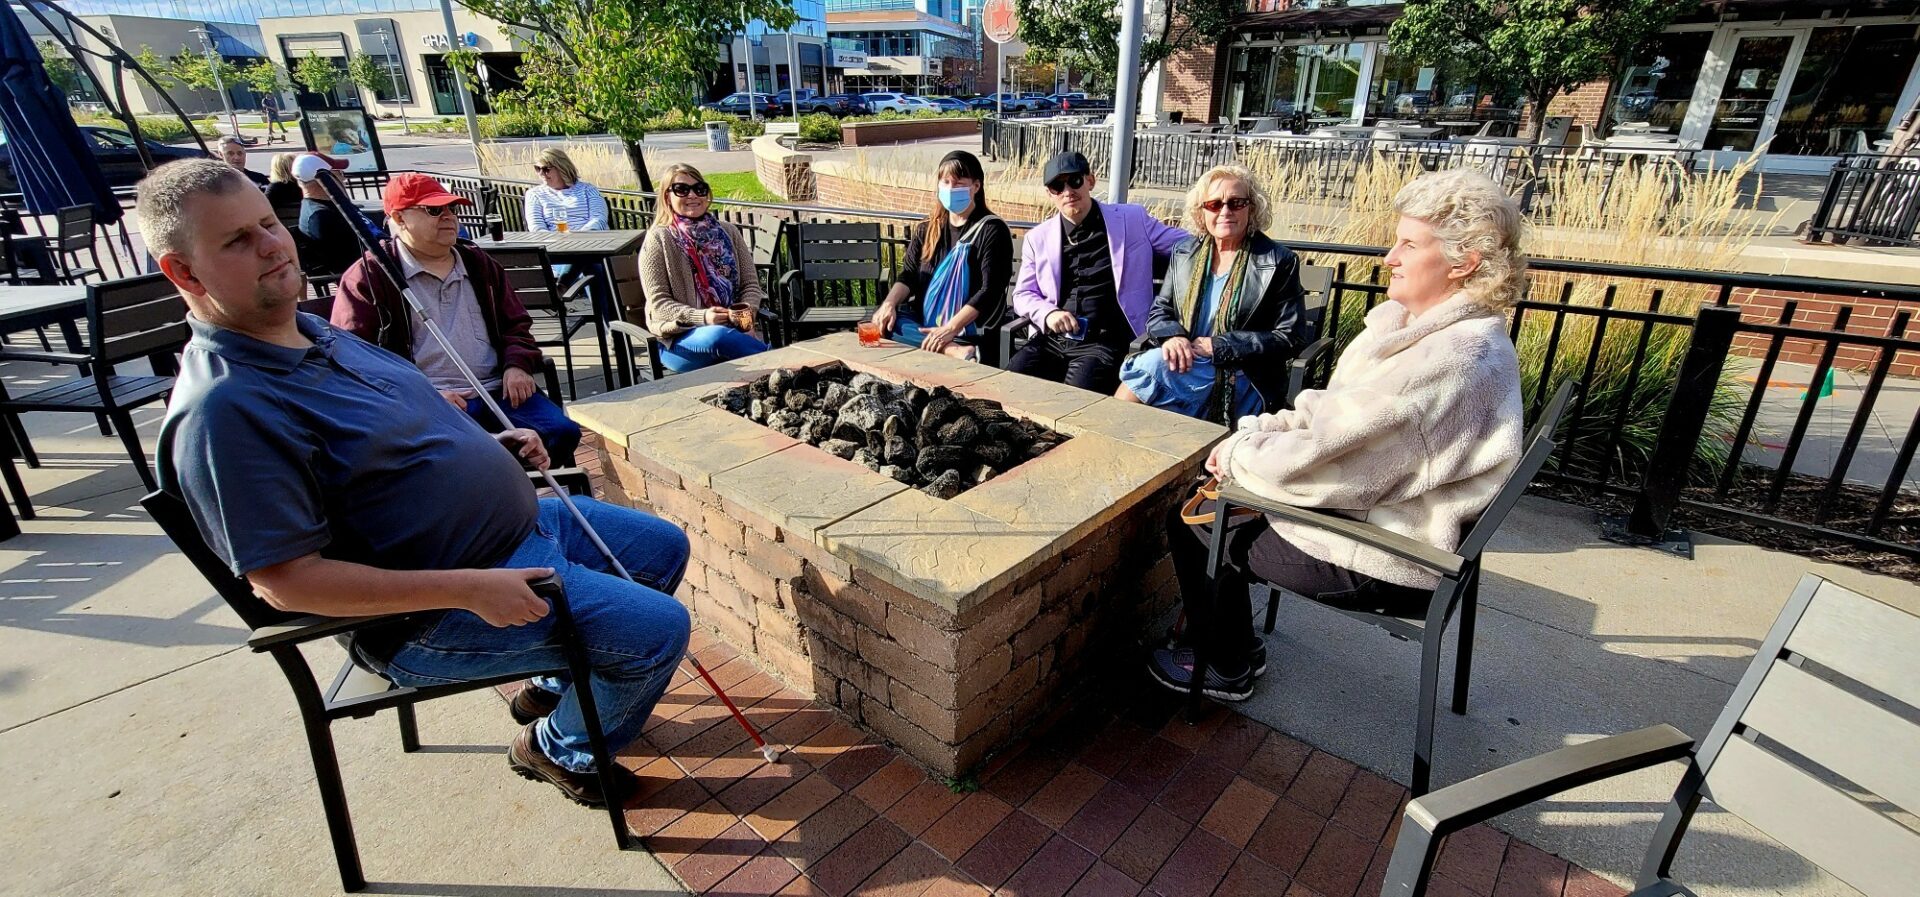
717 137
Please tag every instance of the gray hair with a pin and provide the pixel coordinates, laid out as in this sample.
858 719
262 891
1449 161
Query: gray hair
161 198
1259 218
229 139
1469 213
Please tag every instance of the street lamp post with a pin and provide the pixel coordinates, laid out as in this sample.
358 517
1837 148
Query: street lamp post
219 85
459 83
393 75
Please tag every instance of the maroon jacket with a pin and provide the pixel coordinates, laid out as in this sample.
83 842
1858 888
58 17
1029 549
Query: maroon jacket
365 299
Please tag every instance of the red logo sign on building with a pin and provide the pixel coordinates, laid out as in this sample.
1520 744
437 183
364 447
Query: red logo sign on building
998 21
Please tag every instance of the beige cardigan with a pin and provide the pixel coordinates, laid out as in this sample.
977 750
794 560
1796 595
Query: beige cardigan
666 279
1415 433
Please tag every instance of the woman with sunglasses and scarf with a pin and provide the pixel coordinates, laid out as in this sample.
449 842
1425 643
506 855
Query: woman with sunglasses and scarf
693 269
953 279
1229 314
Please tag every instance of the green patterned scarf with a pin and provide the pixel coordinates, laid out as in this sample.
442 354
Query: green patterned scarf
1225 317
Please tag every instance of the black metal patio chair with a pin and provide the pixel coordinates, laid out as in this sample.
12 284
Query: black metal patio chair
530 276
73 234
1456 595
1815 749
837 279
358 690
127 319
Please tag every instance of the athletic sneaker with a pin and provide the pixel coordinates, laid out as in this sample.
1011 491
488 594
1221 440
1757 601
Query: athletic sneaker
1173 668
1256 656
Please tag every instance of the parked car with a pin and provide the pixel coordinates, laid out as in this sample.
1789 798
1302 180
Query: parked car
947 104
856 103
889 102
1412 103
1060 99
1039 102
1011 102
739 104
1080 104
115 151
919 104
810 102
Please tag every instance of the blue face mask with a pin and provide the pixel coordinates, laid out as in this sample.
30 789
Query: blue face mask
955 199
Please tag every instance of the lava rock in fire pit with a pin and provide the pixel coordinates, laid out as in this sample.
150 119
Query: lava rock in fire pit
787 422
868 458
898 451
797 400
936 458
994 453
905 475
861 413
757 410
962 431
947 485
816 427
834 395
840 448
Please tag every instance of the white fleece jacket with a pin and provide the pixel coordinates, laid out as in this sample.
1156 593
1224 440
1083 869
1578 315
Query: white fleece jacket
1415 433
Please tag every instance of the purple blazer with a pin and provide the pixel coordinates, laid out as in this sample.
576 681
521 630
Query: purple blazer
1133 236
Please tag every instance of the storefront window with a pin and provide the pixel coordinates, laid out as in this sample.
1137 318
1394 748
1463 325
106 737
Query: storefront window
1657 86
1843 96
1404 89
1317 80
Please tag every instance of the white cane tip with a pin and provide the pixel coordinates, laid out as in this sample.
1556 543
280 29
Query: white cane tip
306 168
770 752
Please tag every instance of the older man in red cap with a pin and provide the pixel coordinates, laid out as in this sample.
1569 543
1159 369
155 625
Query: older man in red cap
467 294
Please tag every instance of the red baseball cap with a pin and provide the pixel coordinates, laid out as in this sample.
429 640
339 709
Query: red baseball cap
408 189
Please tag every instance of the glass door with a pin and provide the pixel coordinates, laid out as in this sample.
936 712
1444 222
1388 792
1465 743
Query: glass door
1748 109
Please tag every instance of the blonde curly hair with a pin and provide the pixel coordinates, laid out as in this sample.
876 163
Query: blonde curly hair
1260 217
1469 213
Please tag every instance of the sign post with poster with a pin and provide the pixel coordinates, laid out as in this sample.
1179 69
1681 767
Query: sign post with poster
344 134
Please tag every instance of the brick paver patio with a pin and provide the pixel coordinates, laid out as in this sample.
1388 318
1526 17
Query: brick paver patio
1118 796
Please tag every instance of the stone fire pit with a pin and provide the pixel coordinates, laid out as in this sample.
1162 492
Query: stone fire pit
946 626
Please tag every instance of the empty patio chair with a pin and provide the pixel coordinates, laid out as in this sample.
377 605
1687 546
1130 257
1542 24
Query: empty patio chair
1815 749
1556 130
127 319
837 278
359 690
1457 594
530 276
73 234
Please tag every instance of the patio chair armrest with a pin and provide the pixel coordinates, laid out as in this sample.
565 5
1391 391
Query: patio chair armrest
789 279
1302 364
574 289
1445 563
10 353
311 627
631 330
1440 813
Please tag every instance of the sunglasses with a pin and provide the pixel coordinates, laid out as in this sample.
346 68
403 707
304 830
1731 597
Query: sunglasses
435 211
1070 182
543 169
686 190
1237 203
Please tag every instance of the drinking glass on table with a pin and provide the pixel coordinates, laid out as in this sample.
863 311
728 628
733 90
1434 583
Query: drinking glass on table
869 333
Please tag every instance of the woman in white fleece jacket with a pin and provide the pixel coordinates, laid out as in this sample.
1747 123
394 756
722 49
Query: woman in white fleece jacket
1415 433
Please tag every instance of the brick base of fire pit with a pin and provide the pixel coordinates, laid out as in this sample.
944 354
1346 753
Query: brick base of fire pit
946 626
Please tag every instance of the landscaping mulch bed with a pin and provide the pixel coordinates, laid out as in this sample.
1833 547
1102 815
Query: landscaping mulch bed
1852 508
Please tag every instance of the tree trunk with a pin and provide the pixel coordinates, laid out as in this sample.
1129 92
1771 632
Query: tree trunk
1538 107
637 157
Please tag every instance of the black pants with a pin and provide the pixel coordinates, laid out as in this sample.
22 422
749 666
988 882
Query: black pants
1087 364
1255 553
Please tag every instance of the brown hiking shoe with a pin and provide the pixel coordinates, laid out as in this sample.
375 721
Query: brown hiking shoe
531 763
531 703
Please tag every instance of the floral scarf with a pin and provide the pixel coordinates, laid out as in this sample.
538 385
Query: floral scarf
711 249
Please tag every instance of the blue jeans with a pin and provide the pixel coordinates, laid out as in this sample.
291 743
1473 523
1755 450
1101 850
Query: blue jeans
708 344
539 414
634 632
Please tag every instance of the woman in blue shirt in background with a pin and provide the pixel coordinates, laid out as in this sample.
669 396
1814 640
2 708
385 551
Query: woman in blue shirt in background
563 202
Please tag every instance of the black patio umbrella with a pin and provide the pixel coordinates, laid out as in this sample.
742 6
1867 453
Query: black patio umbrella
51 160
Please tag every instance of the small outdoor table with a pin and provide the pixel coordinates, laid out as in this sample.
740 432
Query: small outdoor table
581 247
27 307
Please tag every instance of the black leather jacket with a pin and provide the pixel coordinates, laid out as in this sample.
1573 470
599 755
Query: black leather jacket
1263 336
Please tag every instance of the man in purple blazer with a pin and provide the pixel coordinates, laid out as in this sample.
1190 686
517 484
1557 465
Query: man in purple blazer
1086 280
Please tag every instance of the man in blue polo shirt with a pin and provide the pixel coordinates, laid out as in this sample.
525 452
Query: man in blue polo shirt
332 476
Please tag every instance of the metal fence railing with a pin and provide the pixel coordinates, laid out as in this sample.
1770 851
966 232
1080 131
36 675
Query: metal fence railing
1871 198
1332 164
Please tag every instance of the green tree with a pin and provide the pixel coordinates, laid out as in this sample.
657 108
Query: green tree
1540 48
317 74
1085 34
618 63
61 69
370 73
265 77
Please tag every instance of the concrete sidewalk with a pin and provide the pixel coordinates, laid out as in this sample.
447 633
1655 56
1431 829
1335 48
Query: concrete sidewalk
150 755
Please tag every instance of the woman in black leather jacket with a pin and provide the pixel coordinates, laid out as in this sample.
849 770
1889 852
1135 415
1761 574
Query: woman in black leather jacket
1229 315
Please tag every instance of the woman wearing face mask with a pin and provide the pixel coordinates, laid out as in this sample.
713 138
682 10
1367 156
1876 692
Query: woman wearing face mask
693 269
953 280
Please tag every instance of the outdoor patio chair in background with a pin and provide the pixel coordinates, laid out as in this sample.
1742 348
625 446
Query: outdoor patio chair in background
73 234
127 319
1316 282
1458 593
1556 130
837 278
530 276
630 340
1815 749
359 690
